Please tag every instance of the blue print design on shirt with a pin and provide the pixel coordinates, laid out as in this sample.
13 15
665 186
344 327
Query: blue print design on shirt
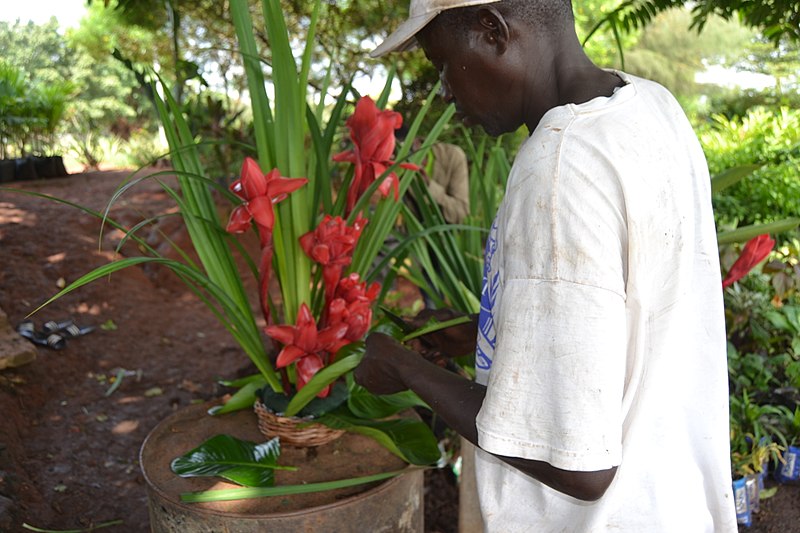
491 279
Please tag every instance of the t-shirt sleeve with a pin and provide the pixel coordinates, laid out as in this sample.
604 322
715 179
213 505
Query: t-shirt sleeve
556 383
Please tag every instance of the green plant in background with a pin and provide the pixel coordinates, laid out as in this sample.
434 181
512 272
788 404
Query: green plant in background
758 435
30 113
769 141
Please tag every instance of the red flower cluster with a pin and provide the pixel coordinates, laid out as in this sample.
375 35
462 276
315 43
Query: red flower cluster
352 306
306 345
754 251
372 133
332 245
348 303
259 192
312 344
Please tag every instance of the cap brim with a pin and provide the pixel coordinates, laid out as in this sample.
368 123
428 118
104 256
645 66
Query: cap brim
403 38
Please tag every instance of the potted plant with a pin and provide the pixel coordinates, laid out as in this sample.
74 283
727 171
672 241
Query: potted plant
757 438
316 248
789 470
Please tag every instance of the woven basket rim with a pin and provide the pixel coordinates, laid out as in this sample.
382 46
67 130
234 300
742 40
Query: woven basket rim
287 428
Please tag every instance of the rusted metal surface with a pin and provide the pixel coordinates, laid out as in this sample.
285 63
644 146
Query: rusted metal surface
392 506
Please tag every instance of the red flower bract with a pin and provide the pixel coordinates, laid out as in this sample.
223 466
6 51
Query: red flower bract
259 192
352 306
754 251
303 341
372 133
331 245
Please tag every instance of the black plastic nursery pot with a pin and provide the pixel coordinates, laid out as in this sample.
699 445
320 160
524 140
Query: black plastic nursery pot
394 505
8 170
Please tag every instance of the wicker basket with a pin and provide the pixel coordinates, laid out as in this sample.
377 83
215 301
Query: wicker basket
294 431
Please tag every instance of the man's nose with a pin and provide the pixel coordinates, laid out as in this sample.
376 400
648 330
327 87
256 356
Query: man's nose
446 93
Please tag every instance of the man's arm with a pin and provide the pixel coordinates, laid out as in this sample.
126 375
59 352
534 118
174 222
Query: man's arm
389 367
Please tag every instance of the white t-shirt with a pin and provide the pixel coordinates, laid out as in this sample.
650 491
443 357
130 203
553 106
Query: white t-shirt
602 335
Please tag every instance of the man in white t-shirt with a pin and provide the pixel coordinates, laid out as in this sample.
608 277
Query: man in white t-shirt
601 399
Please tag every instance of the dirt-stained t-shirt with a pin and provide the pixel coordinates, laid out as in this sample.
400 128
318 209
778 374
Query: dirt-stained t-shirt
601 332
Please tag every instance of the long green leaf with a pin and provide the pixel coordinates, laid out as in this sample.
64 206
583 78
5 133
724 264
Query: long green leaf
240 461
325 377
285 490
202 221
731 176
241 399
746 233
259 101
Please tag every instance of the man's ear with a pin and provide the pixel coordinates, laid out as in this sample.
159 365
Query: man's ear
495 29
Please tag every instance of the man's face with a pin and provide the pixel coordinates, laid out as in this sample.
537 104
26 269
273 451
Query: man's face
471 77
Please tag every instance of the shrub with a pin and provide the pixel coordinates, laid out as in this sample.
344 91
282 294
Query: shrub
764 137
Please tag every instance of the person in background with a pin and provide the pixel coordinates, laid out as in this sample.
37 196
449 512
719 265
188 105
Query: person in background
601 394
446 172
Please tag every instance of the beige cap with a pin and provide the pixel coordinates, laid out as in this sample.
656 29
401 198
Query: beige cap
421 12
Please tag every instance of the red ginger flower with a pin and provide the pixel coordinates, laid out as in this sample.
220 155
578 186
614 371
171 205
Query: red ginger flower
352 306
331 245
305 344
372 133
259 192
754 251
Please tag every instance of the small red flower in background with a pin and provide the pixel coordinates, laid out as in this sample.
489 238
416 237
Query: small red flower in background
259 192
331 245
304 343
753 253
372 133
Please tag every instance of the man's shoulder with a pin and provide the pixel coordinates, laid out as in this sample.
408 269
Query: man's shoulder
447 149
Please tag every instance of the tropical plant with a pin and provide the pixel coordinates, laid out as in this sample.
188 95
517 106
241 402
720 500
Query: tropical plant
318 246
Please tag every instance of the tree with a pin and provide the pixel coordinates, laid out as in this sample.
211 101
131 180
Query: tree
667 53
39 50
776 19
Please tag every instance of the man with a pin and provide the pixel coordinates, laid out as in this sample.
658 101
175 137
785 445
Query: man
601 401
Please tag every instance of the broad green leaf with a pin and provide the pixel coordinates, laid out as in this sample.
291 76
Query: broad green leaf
240 461
409 439
285 490
778 320
364 404
316 407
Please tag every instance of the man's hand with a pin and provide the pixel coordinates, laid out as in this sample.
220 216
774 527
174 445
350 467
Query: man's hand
380 370
451 342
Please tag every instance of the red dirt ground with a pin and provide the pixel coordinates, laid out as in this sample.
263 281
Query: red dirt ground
68 449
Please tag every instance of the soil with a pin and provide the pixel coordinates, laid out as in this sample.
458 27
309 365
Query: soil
69 441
